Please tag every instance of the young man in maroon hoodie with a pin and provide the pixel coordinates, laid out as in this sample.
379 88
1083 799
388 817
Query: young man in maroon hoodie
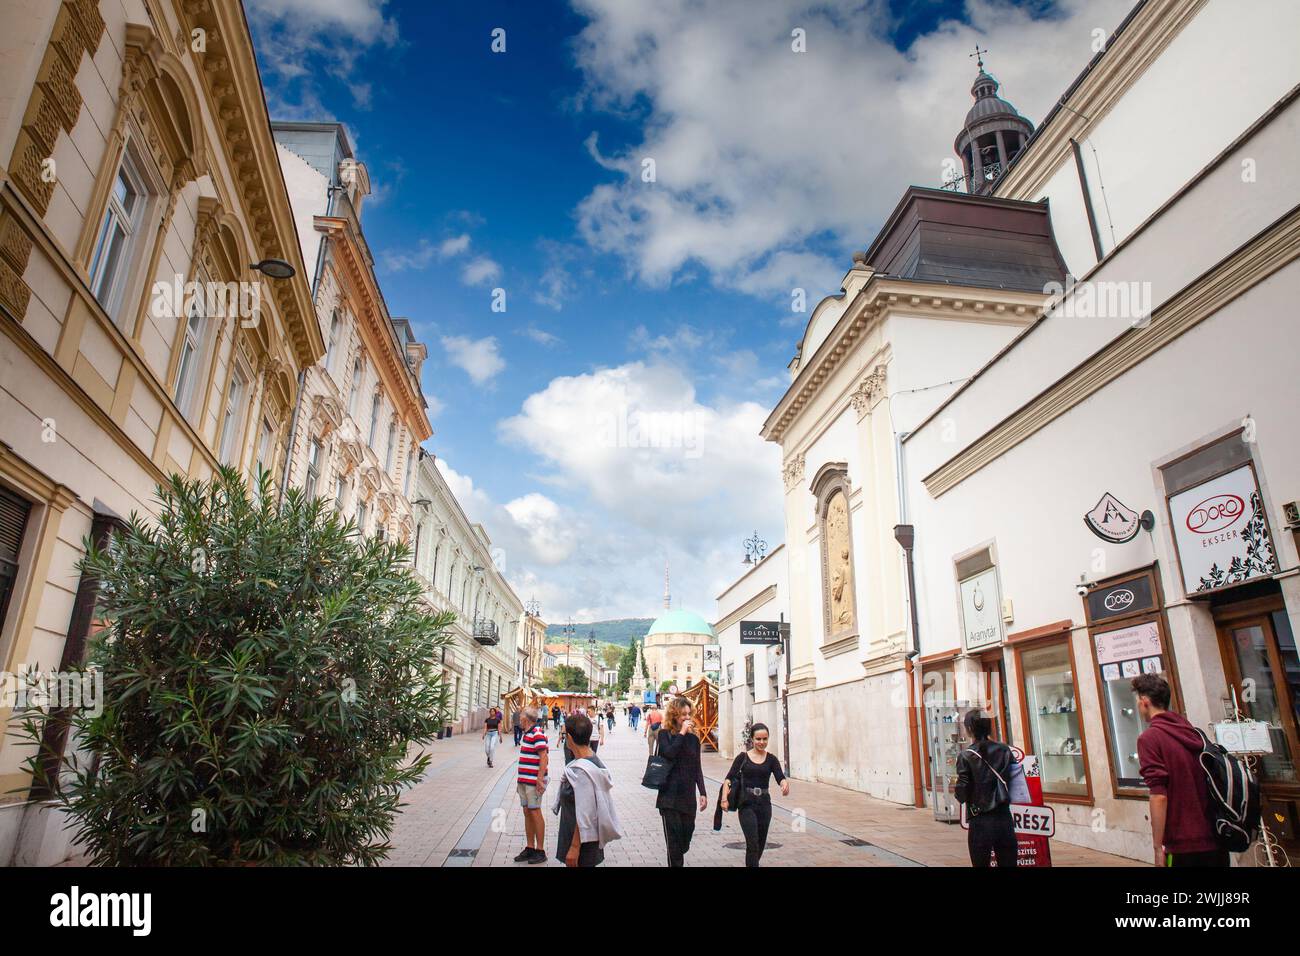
1169 751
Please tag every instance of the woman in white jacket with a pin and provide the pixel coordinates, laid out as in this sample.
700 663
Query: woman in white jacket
585 801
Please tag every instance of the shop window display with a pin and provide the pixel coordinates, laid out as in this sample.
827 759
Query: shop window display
1055 726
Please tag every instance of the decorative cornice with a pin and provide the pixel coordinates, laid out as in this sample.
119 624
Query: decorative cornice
1248 266
871 306
375 326
1127 57
228 71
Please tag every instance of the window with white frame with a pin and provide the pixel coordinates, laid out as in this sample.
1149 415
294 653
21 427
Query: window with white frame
356 388
194 336
231 421
331 350
265 450
118 233
361 516
390 447
313 468
340 489
375 408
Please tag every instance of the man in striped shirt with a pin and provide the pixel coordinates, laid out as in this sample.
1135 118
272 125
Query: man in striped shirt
533 764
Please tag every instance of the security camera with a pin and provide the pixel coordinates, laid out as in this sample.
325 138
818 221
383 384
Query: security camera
1081 589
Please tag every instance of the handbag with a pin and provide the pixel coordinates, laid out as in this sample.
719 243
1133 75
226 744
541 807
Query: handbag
1019 787
737 789
657 769
1002 795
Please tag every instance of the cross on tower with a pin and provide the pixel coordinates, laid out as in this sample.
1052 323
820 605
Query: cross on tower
979 56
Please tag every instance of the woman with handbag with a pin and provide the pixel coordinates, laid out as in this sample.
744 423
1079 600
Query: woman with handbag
677 802
984 781
746 789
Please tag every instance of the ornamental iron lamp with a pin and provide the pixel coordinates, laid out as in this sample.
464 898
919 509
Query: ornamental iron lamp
273 268
755 550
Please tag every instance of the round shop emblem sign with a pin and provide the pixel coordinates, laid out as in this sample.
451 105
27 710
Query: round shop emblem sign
1119 599
977 598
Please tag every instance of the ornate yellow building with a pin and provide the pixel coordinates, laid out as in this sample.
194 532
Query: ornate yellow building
135 157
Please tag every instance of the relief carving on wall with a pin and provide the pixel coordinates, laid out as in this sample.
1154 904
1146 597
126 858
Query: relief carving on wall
839 565
868 390
793 471
831 488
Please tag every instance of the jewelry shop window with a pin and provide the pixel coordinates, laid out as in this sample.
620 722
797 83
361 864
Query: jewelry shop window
1127 635
1053 718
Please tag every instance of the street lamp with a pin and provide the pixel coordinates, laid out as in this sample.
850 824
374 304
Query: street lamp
591 659
755 550
273 268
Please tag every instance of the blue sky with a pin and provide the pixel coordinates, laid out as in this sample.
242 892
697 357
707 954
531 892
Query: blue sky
664 303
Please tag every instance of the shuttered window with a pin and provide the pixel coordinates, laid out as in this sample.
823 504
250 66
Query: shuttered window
13 522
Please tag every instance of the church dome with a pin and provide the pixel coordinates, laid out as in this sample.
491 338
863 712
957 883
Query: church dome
680 622
987 102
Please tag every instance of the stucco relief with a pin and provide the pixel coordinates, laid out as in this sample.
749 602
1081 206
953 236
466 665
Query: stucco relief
839 582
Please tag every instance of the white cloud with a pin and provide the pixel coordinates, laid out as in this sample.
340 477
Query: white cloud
480 359
540 336
480 271
454 246
296 38
763 154
416 258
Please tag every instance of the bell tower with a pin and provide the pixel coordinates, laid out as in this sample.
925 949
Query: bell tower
993 135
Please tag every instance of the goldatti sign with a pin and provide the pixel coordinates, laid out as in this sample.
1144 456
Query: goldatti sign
762 632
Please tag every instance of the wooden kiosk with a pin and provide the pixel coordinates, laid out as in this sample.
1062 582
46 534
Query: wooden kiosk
704 707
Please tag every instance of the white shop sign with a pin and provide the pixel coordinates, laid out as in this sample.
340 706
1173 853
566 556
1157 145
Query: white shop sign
1221 533
981 610
1128 644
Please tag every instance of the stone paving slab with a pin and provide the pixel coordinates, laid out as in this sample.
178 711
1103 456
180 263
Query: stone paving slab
817 825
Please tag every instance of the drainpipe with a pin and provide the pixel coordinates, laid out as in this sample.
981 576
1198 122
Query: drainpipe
905 535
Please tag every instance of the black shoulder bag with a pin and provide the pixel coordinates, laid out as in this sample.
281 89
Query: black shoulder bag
657 768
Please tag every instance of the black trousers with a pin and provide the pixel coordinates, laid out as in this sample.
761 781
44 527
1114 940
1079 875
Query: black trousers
755 817
993 833
679 827
519 735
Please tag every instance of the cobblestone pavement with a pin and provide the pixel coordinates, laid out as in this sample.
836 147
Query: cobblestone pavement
466 814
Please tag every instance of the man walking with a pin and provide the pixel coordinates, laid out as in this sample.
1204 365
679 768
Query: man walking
1169 753
635 716
585 803
534 761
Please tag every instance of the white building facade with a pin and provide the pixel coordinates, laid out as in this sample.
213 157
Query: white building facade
1161 383
462 573
753 675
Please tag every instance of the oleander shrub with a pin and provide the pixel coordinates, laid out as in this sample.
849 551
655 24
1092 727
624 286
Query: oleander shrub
267 676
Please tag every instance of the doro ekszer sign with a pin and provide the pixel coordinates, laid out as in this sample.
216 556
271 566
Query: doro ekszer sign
1221 532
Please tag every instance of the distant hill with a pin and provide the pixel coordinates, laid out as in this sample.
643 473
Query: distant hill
622 632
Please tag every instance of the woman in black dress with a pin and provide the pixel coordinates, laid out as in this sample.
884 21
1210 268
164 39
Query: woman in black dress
747 786
678 802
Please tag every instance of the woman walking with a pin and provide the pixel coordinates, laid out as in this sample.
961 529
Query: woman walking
746 788
984 784
677 801
491 734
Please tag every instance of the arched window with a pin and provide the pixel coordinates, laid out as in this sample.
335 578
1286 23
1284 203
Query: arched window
390 447
331 350
375 406
189 369
357 369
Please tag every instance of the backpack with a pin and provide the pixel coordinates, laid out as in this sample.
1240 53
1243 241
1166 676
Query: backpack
1234 796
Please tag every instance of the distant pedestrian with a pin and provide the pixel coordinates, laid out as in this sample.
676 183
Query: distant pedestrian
584 801
609 717
491 733
534 762
556 714
984 773
746 788
654 719
678 802
1169 752
634 716
518 728
597 734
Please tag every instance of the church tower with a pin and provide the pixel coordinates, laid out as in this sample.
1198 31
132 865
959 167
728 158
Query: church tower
993 135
